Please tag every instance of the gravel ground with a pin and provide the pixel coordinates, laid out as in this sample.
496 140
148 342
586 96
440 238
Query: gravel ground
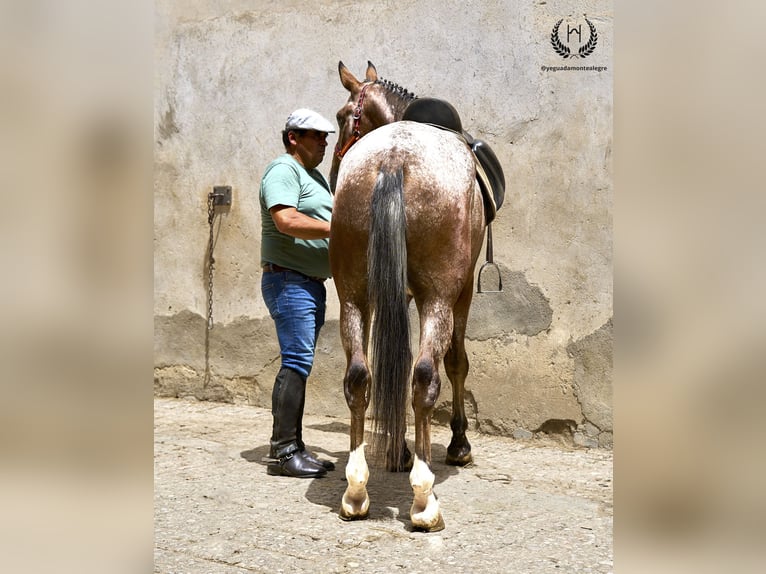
522 507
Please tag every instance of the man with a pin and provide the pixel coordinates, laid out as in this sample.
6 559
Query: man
296 206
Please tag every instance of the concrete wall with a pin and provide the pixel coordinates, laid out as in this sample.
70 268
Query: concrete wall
227 76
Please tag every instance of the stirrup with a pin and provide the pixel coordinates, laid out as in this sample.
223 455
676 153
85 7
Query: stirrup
499 279
489 262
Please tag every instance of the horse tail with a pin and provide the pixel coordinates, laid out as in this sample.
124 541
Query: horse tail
387 294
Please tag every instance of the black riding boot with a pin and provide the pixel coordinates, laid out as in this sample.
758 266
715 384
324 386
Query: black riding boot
286 400
307 454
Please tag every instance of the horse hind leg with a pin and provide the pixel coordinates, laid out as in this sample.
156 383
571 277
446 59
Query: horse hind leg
355 504
436 326
424 512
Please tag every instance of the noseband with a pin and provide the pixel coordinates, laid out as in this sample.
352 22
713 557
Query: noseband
355 134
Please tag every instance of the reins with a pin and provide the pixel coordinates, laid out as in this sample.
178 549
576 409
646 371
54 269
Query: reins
355 134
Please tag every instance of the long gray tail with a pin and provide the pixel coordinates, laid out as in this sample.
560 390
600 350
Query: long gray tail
387 293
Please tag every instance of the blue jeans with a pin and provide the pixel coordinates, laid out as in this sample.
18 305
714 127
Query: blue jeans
297 306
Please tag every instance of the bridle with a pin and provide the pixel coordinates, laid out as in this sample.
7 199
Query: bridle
355 134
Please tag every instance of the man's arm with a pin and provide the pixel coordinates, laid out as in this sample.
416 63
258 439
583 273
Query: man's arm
296 224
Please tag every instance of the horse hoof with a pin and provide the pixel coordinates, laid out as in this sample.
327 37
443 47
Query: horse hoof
461 459
459 451
348 517
436 527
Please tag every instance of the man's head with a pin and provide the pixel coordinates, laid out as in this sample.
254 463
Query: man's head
305 136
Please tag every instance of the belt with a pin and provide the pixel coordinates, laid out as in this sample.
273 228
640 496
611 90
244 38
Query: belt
274 268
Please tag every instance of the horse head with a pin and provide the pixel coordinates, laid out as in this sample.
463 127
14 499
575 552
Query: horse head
371 103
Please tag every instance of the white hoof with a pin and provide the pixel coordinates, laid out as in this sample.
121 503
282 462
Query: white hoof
355 503
424 512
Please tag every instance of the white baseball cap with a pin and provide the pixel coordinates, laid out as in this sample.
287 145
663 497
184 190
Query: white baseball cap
305 119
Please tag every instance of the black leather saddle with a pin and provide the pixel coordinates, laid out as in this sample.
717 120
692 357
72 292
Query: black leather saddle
489 172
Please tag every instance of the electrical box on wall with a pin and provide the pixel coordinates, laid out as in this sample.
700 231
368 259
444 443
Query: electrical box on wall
222 195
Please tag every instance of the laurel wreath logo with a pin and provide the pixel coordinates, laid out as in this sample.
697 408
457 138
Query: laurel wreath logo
563 50
587 48
560 48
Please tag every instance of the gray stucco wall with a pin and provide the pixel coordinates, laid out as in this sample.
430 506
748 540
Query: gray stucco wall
227 76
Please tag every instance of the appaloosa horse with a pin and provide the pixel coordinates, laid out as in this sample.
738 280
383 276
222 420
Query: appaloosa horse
408 223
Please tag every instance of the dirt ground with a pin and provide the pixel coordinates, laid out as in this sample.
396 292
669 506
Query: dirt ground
523 507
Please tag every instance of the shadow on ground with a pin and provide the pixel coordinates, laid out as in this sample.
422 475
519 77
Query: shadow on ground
390 492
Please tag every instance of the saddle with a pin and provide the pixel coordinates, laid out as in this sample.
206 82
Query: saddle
489 172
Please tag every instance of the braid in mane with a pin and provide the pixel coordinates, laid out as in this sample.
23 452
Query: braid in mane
400 96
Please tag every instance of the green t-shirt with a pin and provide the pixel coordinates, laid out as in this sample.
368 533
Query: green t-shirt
287 182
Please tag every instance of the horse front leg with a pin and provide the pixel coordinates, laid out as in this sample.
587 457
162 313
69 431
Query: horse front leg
456 366
355 504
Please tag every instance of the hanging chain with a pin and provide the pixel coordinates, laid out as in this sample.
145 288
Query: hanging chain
211 262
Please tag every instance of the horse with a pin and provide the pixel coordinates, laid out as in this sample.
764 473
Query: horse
408 223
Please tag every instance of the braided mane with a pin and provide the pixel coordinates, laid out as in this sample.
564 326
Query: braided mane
396 96
396 89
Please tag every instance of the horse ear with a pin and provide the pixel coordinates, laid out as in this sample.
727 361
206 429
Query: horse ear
372 73
347 78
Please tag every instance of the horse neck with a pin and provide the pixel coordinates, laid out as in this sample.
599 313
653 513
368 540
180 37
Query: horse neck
386 107
382 107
